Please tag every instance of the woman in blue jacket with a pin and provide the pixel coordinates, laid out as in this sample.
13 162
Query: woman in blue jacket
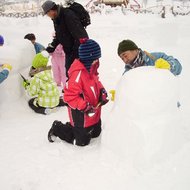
134 57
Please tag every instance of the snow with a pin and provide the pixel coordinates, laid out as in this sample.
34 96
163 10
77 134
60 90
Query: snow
145 142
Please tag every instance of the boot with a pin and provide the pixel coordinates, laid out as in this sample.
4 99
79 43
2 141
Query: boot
51 135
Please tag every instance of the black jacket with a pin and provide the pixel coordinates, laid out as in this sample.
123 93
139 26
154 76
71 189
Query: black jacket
68 30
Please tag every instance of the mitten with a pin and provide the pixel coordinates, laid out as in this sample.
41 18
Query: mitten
162 64
7 67
103 99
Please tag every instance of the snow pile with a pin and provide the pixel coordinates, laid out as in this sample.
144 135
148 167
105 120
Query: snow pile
20 57
143 125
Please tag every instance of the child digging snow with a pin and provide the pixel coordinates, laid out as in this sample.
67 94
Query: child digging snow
42 87
85 96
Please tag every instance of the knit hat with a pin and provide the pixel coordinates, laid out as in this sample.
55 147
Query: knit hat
40 60
1 40
126 45
89 50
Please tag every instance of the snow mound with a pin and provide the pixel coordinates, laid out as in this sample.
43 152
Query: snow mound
20 56
143 119
146 92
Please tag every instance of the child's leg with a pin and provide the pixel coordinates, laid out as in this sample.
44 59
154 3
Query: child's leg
95 130
81 135
56 72
63 131
62 71
34 105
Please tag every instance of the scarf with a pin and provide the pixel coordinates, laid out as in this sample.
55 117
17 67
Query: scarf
137 62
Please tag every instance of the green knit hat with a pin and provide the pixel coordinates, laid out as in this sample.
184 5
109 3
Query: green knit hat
126 45
40 60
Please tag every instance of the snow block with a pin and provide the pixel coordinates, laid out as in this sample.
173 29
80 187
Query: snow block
142 126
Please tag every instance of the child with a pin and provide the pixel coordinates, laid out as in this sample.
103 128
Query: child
38 47
85 96
6 68
42 86
58 66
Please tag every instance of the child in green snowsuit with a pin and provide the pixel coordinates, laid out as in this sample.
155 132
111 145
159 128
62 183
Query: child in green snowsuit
41 86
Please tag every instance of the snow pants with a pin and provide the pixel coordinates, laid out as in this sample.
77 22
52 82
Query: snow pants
77 133
59 70
39 109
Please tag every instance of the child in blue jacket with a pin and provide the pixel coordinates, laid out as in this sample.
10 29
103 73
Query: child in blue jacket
37 46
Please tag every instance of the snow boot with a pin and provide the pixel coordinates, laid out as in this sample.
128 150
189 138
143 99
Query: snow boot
51 135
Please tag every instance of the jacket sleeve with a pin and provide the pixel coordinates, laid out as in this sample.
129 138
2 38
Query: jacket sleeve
3 75
174 63
73 94
34 87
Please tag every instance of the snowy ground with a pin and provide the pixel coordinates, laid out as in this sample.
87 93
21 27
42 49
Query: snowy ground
145 142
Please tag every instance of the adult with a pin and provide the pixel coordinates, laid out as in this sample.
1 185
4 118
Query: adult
134 57
68 30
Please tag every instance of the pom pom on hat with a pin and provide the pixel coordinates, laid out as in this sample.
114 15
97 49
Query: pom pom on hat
83 40
126 45
89 50
1 40
45 53
40 60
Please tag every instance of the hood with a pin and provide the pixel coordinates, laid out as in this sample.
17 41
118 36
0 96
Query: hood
76 66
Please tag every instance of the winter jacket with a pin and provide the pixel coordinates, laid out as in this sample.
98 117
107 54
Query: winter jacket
43 86
68 30
82 88
38 47
149 60
3 75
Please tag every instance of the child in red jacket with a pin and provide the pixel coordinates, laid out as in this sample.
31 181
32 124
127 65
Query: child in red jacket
85 96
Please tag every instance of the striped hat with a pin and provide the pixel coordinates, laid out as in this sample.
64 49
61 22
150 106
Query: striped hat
89 50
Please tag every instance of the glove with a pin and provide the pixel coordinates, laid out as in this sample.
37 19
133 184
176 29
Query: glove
162 64
7 66
25 84
112 92
103 99
50 48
